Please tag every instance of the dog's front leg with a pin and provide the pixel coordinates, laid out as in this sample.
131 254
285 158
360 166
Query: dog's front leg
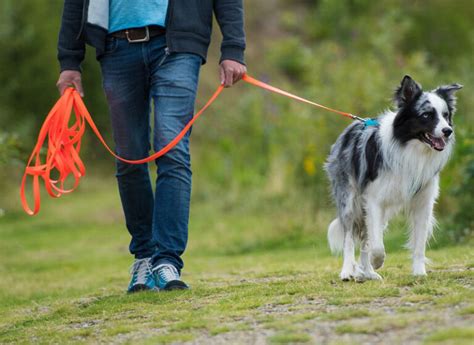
422 222
366 271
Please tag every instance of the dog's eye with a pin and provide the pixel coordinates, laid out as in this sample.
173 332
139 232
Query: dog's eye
445 115
427 115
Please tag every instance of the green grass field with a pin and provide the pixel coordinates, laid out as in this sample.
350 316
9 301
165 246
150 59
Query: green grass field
259 269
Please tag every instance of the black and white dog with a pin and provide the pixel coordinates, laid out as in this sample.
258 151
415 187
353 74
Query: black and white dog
377 171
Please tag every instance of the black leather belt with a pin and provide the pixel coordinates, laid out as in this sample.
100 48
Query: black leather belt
138 35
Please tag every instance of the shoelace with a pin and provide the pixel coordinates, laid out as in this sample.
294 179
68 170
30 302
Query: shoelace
167 272
142 269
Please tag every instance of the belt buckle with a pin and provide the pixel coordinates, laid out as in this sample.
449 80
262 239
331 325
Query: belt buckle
139 40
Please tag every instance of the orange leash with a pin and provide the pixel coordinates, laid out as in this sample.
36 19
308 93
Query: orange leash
64 143
273 89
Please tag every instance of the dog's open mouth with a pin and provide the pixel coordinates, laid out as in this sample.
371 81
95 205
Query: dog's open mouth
434 142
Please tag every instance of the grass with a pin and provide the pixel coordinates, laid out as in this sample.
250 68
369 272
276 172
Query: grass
259 270
453 336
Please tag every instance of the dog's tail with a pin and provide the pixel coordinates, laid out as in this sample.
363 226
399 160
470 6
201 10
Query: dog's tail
336 236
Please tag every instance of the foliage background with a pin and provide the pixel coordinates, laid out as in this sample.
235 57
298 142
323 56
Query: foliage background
254 150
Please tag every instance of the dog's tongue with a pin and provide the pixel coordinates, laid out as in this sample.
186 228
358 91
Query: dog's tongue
438 143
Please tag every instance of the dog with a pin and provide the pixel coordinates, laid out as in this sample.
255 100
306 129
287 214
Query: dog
377 171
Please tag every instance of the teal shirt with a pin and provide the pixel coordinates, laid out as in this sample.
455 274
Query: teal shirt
127 14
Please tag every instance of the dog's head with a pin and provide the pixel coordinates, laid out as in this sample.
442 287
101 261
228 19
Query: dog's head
426 116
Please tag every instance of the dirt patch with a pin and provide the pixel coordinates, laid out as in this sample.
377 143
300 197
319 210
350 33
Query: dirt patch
392 321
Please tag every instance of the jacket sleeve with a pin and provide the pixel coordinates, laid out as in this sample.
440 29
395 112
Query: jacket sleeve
230 16
71 45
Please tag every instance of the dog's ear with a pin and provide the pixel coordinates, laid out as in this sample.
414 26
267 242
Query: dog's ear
446 92
407 91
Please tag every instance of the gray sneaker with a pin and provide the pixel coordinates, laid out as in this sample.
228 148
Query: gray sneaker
167 278
142 276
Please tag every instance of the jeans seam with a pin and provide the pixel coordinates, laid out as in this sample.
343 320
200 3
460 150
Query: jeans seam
163 59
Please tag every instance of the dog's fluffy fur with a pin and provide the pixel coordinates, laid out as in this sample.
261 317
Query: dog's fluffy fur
377 171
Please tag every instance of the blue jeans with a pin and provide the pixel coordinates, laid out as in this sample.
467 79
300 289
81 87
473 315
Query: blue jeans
134 75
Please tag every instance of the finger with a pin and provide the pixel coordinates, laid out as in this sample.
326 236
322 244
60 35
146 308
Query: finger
63 84
78 86
235 76
229 78
222 75
62 87
244 72
239 75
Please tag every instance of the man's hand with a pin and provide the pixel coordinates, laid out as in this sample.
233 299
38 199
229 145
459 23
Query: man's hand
70 78
231 72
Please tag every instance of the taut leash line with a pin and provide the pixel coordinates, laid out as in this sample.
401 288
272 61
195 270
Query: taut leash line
64 142
262 85
367 122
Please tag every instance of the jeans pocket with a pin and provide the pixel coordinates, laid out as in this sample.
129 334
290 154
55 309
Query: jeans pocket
111 45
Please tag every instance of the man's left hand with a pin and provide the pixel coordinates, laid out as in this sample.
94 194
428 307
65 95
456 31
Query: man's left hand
231 72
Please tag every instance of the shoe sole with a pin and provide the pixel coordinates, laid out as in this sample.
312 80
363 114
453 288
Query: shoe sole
175 285
139 288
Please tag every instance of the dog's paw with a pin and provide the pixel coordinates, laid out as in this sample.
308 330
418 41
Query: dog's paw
359 275
354 273
419 269
419 272
362 276
373 276
377 258
346 275
348 270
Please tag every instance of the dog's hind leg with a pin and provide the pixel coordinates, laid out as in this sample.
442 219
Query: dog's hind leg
422 222
376 224
350 268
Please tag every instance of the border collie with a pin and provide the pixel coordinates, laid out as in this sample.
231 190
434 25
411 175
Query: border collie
377 171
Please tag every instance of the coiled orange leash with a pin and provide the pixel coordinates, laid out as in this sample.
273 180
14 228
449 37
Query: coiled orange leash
64 143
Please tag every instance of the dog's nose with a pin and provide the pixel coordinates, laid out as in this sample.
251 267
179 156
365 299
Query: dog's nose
447 131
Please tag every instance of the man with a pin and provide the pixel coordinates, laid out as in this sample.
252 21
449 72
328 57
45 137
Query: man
151 50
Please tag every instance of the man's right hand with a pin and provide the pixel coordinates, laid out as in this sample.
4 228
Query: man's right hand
70 78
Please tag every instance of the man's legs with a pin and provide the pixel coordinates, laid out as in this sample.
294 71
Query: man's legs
126 84
174 81
133 73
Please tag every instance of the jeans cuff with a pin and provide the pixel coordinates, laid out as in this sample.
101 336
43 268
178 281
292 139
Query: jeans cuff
145 255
